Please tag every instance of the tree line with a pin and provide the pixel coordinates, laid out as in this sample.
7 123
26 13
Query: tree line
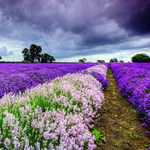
138 58
34 53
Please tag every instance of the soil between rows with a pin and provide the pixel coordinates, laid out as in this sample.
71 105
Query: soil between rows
117 122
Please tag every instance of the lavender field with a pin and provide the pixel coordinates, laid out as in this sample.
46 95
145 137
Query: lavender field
134 85
52 106
15 78
53 114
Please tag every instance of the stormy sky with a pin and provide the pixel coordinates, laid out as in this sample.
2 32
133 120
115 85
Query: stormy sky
70 30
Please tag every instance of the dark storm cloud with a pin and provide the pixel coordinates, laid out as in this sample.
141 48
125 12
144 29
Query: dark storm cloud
77 17
132 15
65 28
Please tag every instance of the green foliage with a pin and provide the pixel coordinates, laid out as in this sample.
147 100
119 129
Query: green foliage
140 58
10 61
84 59
46 58
101 61
97 135
111 60
114 60
81 60
147 145
34 53
121 61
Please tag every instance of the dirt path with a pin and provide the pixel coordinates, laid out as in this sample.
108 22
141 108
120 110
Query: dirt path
118 123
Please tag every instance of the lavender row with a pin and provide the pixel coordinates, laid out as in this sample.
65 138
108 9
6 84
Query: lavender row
7 69
56 113
145 66
134 85
22 76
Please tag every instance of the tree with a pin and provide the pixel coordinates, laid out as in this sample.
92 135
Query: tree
81 60
121 61
101 61
42 59
111 61
26 54
46 57
0 57
140 58
52 59
84 59
115 60
32 53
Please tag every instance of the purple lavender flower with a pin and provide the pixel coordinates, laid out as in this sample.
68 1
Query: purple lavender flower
100 78
145 125
147 132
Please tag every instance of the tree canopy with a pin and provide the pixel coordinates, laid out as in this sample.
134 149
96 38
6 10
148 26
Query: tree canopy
113 60
140 58
45 58
101 61
34 53
83 60
121 61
